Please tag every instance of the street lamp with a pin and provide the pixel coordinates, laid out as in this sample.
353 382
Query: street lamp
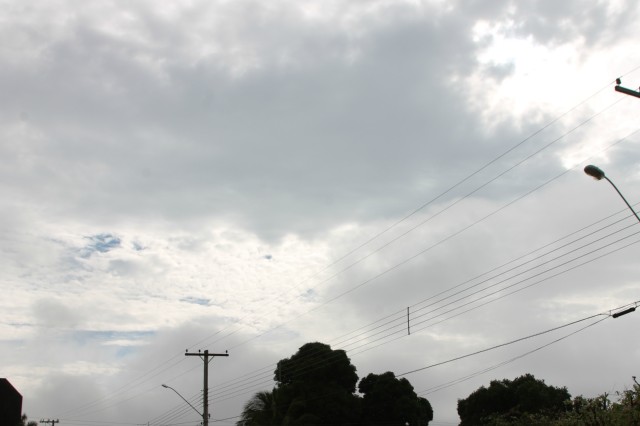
178 393
598 174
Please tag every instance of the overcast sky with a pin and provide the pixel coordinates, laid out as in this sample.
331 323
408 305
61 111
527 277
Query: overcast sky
250 176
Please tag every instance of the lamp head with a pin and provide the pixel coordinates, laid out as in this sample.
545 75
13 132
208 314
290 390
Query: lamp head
165 386
594 172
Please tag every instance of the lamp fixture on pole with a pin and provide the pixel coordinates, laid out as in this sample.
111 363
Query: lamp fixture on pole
598 174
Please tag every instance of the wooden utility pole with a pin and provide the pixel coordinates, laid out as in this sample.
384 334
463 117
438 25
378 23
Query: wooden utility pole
205 402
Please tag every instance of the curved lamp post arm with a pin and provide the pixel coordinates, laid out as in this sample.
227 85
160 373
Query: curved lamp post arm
622 196
178 393
598 174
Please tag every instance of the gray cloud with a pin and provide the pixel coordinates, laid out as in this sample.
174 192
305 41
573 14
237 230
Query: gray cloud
327 135
54 314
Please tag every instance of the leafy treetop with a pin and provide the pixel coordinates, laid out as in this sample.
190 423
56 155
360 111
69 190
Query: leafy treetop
512 399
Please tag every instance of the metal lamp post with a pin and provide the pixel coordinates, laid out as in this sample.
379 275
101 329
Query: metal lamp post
598 174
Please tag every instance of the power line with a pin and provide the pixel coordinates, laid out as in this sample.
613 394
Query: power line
427 220
501 345
500 297
258 378
225 393
511 342
396 318
375 237
278 298
269 381
402 335
503 363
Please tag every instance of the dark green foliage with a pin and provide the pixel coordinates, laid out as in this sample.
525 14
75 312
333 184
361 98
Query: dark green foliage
581 411
318 363
602 411
24 422
316 387
260 410
627 409
507 400
391 401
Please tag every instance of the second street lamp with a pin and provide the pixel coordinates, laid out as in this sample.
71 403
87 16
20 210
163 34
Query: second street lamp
598 174
178 393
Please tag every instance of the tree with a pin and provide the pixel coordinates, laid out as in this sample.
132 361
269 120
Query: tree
505 401
580 411
627 409
602 411
316 387
391 401
260 410
24 421
317 363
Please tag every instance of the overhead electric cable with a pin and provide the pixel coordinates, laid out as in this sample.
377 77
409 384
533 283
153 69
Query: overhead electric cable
518 340
507 344
425 221
262 377
558 118
505 295
399 316
503 363
278 298
222 388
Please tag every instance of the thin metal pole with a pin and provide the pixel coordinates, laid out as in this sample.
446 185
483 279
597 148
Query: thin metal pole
622 196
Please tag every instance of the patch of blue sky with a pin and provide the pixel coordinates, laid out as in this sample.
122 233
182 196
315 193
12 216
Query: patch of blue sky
309 295
196 300
101 243
137 246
